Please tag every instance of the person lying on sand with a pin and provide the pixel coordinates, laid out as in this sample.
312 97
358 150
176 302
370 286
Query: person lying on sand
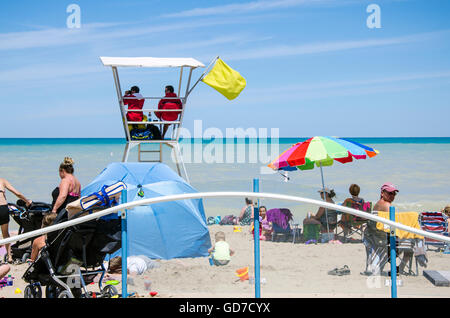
136 265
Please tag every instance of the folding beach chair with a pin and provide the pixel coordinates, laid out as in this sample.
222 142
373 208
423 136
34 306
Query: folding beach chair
409 246
108 195
282 225
354 224
376 244
434 222
405 251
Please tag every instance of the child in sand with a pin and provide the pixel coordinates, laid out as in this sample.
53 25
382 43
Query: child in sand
136 265
221 251
39 242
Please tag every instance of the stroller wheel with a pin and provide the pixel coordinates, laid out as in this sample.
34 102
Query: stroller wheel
65 294
32 291
109 291
51 291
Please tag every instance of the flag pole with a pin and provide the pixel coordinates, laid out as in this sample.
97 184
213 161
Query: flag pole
203 75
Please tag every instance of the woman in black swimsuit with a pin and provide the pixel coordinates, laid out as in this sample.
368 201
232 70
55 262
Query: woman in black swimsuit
69 189
4 211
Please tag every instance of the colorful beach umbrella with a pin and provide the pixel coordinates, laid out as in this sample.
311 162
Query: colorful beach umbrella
321 151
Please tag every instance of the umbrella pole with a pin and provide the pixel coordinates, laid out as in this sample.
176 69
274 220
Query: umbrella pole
324 196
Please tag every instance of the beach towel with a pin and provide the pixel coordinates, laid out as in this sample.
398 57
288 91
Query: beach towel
280 217
407 218
434 222
228 220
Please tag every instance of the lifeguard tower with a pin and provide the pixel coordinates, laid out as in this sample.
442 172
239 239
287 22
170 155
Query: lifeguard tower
148 146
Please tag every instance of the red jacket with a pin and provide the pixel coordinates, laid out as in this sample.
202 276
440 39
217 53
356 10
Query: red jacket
134 104
169 104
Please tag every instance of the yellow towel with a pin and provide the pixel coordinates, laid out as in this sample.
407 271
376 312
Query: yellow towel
410 219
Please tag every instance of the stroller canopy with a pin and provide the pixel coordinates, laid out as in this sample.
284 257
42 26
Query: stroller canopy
165 230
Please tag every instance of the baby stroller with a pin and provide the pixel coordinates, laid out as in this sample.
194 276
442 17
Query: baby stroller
28 219
73 256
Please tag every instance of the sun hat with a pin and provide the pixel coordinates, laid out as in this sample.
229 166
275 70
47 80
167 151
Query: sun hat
327 190
389 187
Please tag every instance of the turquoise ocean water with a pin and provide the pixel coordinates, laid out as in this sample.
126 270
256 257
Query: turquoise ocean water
418 166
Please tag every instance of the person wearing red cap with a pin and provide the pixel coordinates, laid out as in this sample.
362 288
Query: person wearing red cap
388 193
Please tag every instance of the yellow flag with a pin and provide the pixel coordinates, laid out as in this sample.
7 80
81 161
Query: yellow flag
225 80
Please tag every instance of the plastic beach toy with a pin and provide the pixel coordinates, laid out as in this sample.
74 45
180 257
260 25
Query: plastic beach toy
17 291
112 282
237 229
153 294
242 273
311 242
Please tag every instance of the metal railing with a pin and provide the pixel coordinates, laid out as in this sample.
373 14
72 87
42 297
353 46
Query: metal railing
200 195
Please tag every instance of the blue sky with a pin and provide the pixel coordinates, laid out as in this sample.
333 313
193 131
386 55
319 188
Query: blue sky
313 67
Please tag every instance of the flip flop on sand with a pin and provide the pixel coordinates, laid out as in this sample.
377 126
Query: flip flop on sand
340 271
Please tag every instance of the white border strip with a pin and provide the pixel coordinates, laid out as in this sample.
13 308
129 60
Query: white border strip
200 195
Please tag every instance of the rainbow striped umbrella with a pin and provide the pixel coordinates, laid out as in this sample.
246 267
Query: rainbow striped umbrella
321 151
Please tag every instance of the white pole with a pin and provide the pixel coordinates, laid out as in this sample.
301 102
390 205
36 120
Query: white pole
200 195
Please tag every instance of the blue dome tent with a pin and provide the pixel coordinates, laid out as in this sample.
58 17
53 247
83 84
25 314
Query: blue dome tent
165 230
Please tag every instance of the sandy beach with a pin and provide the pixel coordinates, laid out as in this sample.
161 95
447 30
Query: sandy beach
289 271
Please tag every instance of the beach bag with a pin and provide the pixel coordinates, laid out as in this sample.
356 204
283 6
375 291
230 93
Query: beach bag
155 132
211 221
227 220
140 134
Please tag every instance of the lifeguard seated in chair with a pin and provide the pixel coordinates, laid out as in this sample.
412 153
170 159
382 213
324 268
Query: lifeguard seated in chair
168 104
134 100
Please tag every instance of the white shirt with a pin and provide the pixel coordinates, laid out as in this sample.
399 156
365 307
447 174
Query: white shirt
136 264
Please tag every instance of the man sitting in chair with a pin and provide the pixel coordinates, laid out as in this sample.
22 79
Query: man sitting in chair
168 104
134 100
388 193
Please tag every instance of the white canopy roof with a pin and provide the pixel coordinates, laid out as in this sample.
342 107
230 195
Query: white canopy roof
150 62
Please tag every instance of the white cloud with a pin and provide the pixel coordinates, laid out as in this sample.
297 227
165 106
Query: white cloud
306 91
323 47
247 7
100 33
